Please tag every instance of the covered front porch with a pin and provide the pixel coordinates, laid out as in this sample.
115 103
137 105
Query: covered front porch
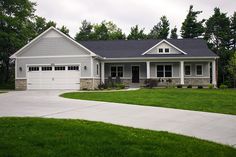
184 72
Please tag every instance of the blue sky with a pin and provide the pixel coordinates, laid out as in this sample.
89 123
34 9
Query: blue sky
126 13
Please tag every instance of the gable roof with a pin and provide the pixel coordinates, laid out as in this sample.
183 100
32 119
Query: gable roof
44 33
135 48
164 41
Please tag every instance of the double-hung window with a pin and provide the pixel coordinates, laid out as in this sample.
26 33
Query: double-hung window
116 71
199 70
164 71
187 70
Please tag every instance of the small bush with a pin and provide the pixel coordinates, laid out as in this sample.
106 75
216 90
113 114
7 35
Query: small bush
179 86
119 86
210 86
222 86
200 87
150 83
102 86
189 86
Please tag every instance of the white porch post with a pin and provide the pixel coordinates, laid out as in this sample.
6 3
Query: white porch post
148 69
214 73
182 72
102 72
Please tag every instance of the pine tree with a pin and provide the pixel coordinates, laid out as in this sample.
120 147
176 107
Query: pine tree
173 34
160 30
136 34
191 28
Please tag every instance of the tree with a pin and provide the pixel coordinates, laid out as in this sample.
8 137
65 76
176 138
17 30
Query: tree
85 31
173 34
191 28
16 29
160 30
233 31
101 31
232 68
114 32
218 37
136 34
51 24
64 30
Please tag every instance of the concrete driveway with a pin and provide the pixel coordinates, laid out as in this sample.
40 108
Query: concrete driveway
219 128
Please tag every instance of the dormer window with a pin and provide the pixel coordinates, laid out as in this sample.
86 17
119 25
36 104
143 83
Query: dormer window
160 50
167 50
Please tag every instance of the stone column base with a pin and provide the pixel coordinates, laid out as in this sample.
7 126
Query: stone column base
20 84
86 84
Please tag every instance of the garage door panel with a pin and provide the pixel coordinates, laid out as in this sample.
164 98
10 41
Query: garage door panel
59 79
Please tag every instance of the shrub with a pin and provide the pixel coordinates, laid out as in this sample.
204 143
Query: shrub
102 86
119 86
222 86
179 86
150 83
210 86
200 87
189 86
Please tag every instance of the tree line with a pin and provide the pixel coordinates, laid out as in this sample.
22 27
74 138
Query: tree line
19 25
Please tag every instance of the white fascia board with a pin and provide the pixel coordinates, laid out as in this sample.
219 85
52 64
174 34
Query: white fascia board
168 44
160 58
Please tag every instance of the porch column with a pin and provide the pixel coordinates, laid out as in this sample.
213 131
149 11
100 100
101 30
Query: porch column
214 73
148 69
182 72
102 72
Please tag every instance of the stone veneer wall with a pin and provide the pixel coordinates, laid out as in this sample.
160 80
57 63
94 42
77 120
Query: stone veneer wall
197 81
88 83
20 84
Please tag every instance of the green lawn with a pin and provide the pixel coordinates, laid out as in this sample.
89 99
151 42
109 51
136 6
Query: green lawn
209 100
37 137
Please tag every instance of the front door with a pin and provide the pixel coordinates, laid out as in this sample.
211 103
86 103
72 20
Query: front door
135 74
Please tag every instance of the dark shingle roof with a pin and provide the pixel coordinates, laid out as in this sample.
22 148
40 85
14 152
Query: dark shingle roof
135 48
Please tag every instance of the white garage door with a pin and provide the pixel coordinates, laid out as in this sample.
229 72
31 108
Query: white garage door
53 77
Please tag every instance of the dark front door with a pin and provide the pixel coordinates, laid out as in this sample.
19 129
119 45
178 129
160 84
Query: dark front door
135 74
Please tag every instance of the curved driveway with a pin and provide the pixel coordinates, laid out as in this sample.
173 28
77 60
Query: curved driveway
219 128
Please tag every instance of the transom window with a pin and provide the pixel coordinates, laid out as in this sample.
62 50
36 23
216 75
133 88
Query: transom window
164 70
160 50
60 68
33 68
116 71
46 68
167 50
199 70
76 67
97 69
187 70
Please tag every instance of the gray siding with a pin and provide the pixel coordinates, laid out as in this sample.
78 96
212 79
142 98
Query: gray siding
53 46
175 68
205 67
95 63
127 69
143 74
84 61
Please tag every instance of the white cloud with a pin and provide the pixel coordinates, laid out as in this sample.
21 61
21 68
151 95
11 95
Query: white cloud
126 13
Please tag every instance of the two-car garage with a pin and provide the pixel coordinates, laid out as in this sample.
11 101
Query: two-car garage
53 76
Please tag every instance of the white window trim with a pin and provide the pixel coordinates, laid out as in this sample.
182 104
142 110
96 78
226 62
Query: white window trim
158 50
164 70
165 50
196 69
190 69
116 70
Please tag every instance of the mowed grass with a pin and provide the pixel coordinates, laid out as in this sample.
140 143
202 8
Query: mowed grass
36 137
208 100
